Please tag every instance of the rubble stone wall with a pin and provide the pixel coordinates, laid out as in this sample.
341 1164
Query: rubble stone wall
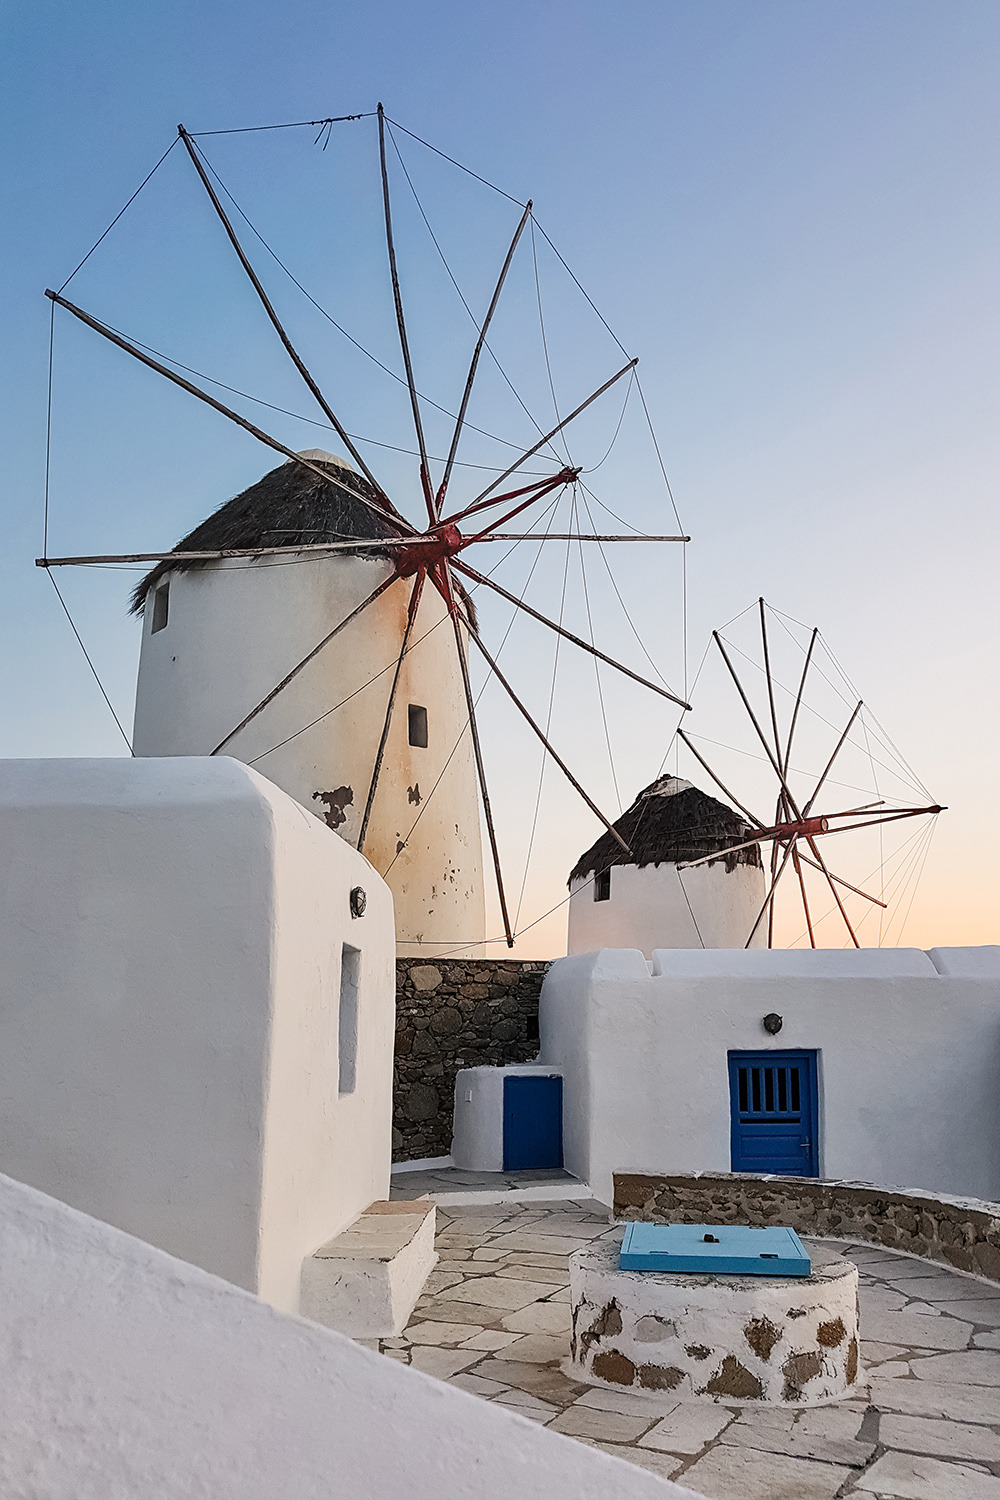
452 1014
960 1232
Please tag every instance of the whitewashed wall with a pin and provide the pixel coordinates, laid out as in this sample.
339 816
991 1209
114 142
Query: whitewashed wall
477 1144
908 1043
171 932
127 1374
236 627
649 908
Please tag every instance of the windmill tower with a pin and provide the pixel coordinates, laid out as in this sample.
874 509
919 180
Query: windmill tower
219 634
649 899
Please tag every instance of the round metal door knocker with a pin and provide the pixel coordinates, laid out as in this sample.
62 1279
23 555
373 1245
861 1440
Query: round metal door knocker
359 901
773 1023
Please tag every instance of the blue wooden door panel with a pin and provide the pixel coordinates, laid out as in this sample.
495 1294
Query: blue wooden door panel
773 1113
532 1121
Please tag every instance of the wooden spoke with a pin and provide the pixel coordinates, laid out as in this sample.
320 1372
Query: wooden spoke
268 308
805 900
756 724
768 899
541 735
798 701
460 420
770 683
395 520
778 814
305 662
836 751
411 615
833 887
564 476
720 784
425 476
491 583
558 428
480 768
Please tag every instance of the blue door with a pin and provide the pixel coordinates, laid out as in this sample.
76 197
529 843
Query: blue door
773 1112
532 1121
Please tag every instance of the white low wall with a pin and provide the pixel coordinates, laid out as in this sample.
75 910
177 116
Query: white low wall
128 1374
649 908
908 1044
477 1143
171 933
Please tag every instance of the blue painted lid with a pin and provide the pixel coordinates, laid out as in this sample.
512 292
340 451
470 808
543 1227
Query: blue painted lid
718 1249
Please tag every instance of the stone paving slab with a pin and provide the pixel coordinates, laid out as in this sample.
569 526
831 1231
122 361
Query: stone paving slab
494 1318
900 1476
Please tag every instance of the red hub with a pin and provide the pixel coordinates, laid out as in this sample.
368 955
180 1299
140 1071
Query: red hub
431 549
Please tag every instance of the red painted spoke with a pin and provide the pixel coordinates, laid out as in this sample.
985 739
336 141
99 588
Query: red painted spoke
564 476
558 428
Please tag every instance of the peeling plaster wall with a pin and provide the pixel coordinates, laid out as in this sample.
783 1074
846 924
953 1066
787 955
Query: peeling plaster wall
450 1015
908 1044
127 1373
236 627
171 932
648 908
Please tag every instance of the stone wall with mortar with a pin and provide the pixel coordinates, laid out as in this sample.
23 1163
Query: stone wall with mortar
960 1232
452 1014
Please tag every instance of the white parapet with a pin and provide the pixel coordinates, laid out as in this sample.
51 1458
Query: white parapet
196 1032
365 1281
126 1373
787 1340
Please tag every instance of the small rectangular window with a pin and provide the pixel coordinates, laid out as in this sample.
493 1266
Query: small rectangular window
418 725
161 607
602 885
347 1028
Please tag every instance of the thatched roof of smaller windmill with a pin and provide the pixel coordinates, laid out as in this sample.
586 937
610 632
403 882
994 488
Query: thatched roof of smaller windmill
291 505
669 822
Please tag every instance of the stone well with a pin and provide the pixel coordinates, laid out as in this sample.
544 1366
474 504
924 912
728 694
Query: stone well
788 1340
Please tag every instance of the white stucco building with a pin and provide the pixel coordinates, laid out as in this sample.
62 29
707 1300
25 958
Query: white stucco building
196 1032
648 901
218 636
874 1064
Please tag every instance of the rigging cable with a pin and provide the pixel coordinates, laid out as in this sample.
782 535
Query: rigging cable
90 664
118 215
548 724
330 319
551 513
289 125
461 294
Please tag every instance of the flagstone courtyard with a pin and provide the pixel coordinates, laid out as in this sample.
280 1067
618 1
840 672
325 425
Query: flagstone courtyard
494 1320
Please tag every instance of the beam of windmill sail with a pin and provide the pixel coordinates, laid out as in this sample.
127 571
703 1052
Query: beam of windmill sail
411 615
796 828
425 475
470 379
396 519
193 152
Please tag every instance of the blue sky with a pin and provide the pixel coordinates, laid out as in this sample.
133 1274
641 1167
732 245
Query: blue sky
788 211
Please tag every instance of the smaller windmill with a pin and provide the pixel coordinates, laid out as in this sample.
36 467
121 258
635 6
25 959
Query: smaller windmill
802 822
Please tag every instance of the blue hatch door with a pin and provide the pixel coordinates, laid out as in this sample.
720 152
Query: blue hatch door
532 1121
774 1118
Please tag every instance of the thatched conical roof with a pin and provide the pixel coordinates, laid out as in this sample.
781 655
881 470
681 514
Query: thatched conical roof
669 822
290 505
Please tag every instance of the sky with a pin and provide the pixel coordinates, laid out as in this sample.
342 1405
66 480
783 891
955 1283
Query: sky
787 211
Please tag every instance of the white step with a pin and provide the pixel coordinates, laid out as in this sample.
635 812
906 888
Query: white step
365 1281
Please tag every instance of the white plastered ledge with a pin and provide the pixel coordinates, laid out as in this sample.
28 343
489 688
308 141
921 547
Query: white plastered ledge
172 933
127 1374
